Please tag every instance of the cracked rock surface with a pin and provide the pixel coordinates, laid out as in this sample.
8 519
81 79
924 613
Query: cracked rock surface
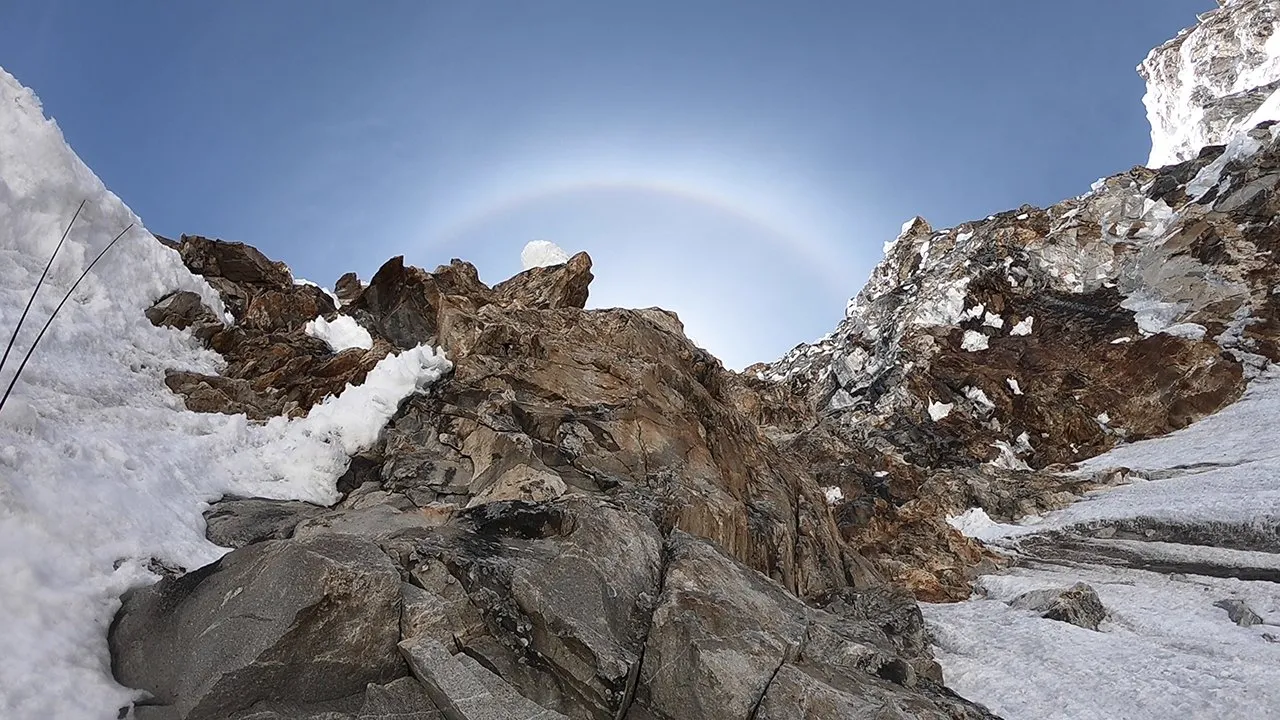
584 520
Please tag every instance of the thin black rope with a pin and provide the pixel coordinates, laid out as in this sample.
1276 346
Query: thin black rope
49 322
23 318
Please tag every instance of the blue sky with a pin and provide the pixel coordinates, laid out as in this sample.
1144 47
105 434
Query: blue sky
739 162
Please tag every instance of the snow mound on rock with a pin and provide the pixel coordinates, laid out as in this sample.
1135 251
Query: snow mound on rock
343 333
542 253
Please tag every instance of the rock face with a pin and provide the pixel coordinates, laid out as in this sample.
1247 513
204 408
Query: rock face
580 519
726 642
1078 605
1036 338
289 621
236 522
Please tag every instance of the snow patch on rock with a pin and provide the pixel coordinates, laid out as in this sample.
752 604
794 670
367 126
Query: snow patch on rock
103 467
974 341
542 253
939 410
979 397
343 333
1189 331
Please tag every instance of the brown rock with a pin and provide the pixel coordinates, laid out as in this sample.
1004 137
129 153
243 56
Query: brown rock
550 287
621 399
234 262
183 310
281 311
402 303
348 288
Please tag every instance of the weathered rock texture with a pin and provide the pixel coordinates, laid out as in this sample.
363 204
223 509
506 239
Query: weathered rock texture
1078 605
1033 339
585 519
290 621
273 366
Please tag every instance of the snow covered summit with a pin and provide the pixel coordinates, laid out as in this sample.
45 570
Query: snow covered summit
1213 80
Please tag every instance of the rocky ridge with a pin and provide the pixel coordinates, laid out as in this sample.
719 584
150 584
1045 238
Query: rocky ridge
579 520
982 360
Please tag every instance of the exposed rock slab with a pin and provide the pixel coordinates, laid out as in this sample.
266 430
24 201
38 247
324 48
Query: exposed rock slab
283 620
236 522
726 642
465 691
1078 605
1239 612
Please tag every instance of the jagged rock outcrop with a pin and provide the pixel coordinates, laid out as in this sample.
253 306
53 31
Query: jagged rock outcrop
1037 338
563 514
273 366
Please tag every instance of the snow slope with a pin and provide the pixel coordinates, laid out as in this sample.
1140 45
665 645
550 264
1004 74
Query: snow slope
1166 650
101 467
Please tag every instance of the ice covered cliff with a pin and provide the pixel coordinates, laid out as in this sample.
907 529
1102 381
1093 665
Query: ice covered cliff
1213 80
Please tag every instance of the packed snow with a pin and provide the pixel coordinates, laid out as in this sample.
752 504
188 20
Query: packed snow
542 253
973 341
343 333
1190 331
939 410
1023 327
101 466
975 523
1166 650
